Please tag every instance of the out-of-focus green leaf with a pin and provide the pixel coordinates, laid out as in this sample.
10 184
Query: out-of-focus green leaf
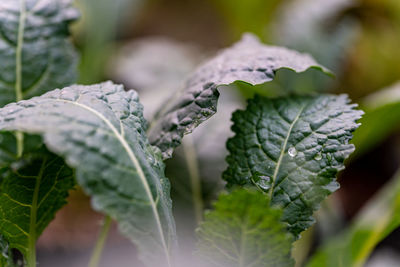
31 192
155 67
248 60
242 231
248 16
313 26
101 132
382 117
376 220
374 58
292 148
98 30
287 82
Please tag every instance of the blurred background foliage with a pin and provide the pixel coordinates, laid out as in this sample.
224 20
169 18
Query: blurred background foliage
151 45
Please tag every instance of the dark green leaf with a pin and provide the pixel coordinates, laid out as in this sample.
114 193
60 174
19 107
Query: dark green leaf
100 131
248 61
30 194
292 148
376 220
35 54
243 231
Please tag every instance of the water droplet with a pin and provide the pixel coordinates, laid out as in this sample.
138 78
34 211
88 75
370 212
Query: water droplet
318 156
150 159
292 152
264 183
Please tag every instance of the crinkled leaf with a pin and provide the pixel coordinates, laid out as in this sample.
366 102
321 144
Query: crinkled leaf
34 50
243 230
100 131
377 220
31 192
292 148
248 60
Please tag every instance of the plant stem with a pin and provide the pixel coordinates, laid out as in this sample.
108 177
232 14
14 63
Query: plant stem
18 70
31 254
193 168
20 143
98 249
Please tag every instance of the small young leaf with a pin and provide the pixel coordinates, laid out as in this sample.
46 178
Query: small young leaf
35 54
376 220
292 148
31 192
244 230
100 131
248 60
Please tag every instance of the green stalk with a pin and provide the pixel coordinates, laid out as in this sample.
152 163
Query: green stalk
31 254
98 249
193 168
18 70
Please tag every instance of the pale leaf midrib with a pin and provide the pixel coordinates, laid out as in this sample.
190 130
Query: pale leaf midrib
243 241
18 69
18 52
33 216
135 162
284 146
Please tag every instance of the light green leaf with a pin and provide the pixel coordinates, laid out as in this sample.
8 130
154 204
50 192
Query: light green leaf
98 46
248 16
100 131
248 60
373 130
31 192
376 220
243 231
292 148
35 54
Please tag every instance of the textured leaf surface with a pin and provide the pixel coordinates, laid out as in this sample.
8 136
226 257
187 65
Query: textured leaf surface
376 220
248 60
31 193
243 230
100 131
35 54
292 148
